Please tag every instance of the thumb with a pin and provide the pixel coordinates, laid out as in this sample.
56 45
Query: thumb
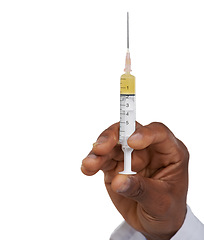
152 194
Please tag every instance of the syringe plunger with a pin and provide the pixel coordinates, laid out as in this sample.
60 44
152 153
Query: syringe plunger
127 161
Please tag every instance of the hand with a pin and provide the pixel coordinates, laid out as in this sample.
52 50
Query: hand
154 200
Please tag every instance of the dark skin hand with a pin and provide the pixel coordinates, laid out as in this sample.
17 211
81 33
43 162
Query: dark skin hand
154 200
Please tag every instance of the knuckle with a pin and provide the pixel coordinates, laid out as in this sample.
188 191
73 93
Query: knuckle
159 125
180 152
183 151
160 130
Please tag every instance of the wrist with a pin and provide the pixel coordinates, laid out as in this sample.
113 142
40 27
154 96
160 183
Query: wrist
168 230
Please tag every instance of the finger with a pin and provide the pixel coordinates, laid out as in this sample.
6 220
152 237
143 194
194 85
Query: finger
144 191
93 163
87 172
110 165
140 160
155 134
107 140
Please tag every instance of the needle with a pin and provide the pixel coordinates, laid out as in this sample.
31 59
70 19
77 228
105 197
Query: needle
128 60
127 30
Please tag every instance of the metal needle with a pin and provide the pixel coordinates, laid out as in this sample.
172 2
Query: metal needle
127 30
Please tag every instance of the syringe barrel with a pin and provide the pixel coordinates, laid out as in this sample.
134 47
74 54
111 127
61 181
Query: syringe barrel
127 107
127 117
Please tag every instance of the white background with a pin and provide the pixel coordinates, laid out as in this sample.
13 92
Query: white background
60 65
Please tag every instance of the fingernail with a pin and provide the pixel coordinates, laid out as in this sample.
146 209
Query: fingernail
101 140
124 187
135 137
93 156
82 168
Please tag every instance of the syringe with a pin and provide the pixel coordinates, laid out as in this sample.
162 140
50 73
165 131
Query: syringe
127 108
